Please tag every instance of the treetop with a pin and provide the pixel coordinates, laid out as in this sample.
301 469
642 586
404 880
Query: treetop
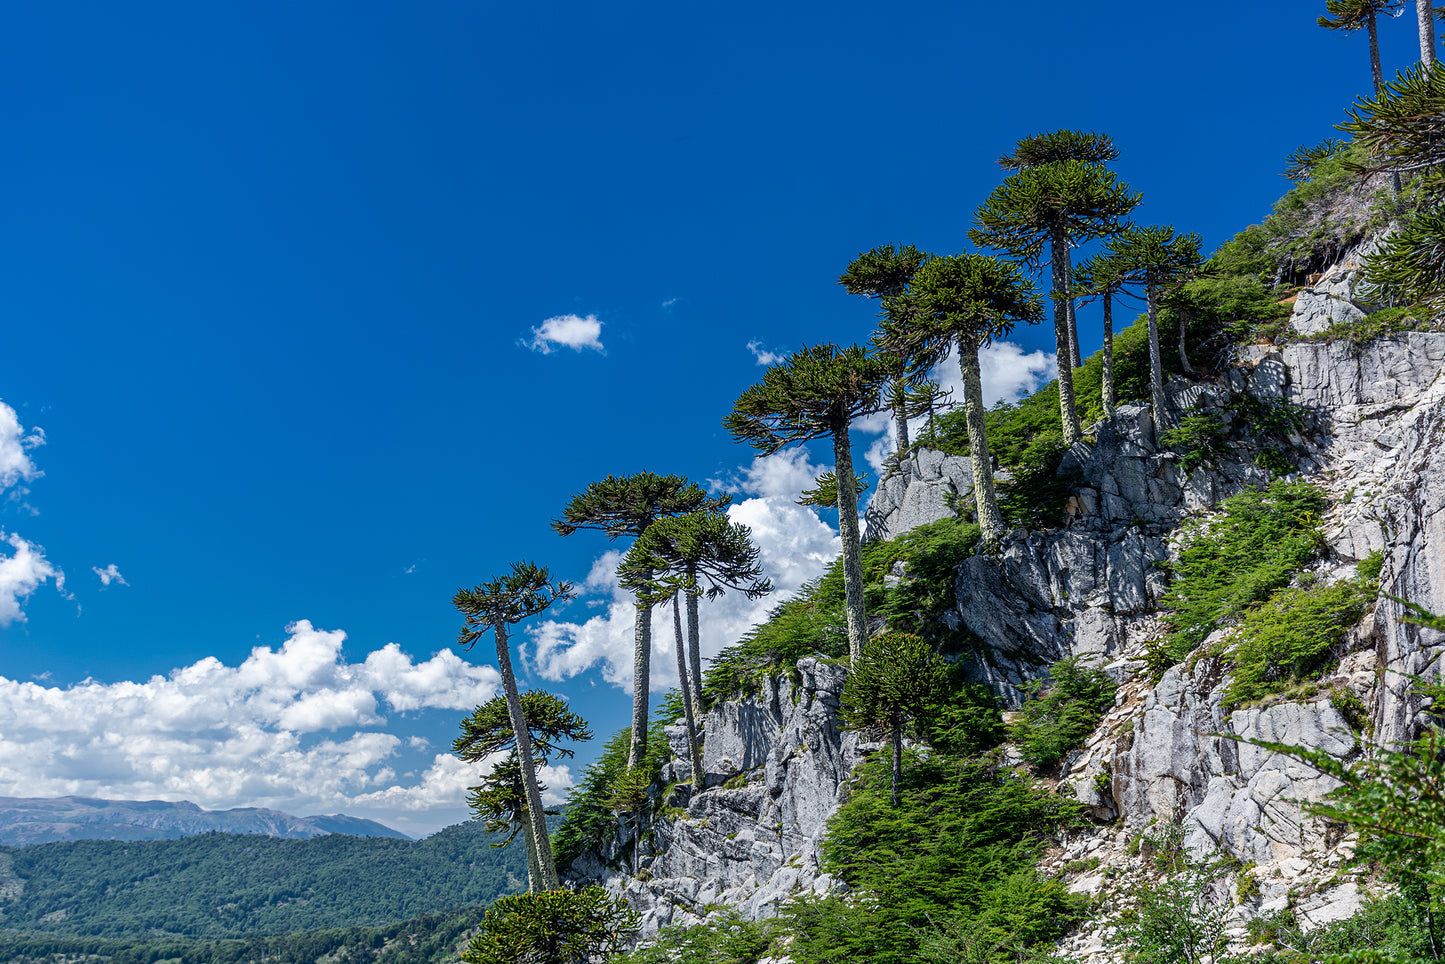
1021 214
1101 275
626 505
964 296
489 729
1351 15
684 552
1061 145
525 591
882 272
1155 256
814 393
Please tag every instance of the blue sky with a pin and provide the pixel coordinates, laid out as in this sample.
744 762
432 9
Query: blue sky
275 278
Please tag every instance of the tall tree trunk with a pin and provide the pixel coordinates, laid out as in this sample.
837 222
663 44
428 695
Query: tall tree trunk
900 414
1108 356
1069 417
1075 356
1372 28
1183 355
546 869
641 681
1156 365
852 545
694 651
897 736
1425 16
534 867
984 497
694 753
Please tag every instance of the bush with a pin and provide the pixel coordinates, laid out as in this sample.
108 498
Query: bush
553 927
1061 711
1200 439
1236 560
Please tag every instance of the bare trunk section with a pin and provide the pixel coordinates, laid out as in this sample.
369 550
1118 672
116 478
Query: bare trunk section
1074 356
900 415
984 497
1425 16
641 680
1183 355
1108 357
536 819
694 752
1069 417
534 871
1372 28
1156 366
852 545
694 651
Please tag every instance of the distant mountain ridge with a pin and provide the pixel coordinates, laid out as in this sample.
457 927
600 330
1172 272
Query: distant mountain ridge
34 820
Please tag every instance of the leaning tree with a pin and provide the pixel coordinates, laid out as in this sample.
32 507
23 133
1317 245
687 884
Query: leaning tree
626 506
1090 147
884 273
500 799
1054 204
493 606
816 393
967 300
688 556
1158 260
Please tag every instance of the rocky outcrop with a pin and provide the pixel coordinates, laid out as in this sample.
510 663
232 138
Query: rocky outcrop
776 765
924 490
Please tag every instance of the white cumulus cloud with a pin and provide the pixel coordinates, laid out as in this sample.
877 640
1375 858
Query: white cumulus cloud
15 445
794 543
567 331
299 728
21 573
109 575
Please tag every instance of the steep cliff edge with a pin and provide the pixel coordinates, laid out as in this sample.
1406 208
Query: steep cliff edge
778 764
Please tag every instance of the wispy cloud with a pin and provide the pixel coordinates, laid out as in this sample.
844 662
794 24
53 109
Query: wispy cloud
764 355
667 305
21 573
15 445
567 331
109 575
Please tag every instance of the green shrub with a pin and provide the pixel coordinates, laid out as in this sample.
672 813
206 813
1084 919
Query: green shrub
1236 560
1061 711
1291 636
725 938
1034 498
1200 439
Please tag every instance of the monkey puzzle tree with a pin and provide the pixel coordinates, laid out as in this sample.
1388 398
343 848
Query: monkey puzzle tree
968 300
493 606
1054 204
1425 21
500 799
626 506
1100 279
1348 16
1063 145
585 926
815 393
673 559
1157 260
896 682
884 273
1403 127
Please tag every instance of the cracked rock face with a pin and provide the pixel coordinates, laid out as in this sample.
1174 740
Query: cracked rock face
920 493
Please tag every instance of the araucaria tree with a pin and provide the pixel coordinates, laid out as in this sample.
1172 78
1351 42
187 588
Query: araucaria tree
1425 20
895 683
884 274
500 799
688 556
1090 147
493 606
968 300
1157 260
1054 204
1349 16
1101 278
626 506
816 393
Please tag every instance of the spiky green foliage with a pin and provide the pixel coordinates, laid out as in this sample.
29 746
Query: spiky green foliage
1081 199
525 591
1154 256
626 505
1060 711
896 683
961 297
1351 15
1236 560
701 552
1409 266
815 393
1060 145
825 493
554 927
726 938
961 845
488 729
1402 128
1175 920
883 272
1301 163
